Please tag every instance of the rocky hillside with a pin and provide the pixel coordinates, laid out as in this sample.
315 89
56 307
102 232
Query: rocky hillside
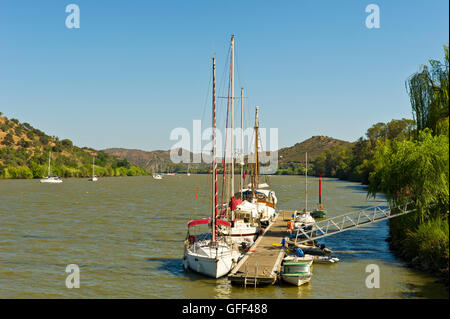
156 161
160 160
314 146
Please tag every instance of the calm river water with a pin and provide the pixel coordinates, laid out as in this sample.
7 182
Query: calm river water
126 235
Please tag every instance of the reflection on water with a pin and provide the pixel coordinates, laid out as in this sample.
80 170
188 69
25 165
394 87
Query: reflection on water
126 235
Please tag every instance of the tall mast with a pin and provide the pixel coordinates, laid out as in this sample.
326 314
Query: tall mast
232 115
242 140
214 172
49 157
306 183
257 147
255 171
320 190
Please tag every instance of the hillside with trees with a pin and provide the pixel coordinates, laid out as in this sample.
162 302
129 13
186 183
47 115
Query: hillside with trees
24 153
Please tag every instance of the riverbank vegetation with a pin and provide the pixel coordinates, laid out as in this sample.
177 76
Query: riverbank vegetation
24 153
408 161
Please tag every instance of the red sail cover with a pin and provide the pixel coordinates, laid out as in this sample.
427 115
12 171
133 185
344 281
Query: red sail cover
235 202
206 221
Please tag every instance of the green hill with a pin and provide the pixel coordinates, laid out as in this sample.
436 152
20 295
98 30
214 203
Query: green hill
315 146
24 153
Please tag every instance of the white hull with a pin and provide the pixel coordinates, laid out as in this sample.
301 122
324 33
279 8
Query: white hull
266 213
303 220
203 259
51 180
157 177
244 233
296 280
93 179
296 270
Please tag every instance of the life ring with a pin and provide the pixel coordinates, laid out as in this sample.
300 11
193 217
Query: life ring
192 239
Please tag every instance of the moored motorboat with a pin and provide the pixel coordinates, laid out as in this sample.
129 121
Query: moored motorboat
295 271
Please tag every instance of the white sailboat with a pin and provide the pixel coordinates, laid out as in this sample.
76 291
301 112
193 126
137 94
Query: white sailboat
304 219
242 214
209 253
156 175
264 199
50 178
93 178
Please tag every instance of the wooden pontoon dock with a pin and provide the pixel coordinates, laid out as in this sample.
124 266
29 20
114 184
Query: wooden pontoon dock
261 264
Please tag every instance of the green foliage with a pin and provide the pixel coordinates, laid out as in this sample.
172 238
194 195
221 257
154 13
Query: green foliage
429 241
8 139
66 143
18 172
122 163
415 169
23 143
44 139
428 91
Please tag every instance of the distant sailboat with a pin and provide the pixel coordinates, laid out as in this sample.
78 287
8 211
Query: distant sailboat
304 219
319 212
156 175
93 178
50 178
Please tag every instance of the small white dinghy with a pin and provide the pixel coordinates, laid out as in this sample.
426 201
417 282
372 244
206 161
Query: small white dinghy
325 259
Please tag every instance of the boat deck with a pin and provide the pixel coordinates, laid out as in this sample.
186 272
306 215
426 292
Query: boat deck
261 264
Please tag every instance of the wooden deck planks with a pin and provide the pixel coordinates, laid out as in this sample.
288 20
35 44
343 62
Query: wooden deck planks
261 265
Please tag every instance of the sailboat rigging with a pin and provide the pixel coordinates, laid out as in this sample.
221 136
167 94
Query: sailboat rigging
50 178
211 254
93 178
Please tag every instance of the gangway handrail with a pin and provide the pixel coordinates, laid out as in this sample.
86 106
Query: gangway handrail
337 224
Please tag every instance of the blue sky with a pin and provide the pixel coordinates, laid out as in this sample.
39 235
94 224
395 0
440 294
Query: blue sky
137 69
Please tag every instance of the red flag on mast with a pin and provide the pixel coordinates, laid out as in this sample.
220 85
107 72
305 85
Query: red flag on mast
243 174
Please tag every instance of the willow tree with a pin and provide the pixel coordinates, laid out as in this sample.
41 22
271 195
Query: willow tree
428 92
415 171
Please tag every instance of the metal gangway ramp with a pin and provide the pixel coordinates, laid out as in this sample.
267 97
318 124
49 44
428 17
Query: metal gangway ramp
350 221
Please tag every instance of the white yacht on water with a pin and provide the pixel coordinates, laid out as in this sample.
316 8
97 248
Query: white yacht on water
210 253
50 178
304 219
93 178
156 175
